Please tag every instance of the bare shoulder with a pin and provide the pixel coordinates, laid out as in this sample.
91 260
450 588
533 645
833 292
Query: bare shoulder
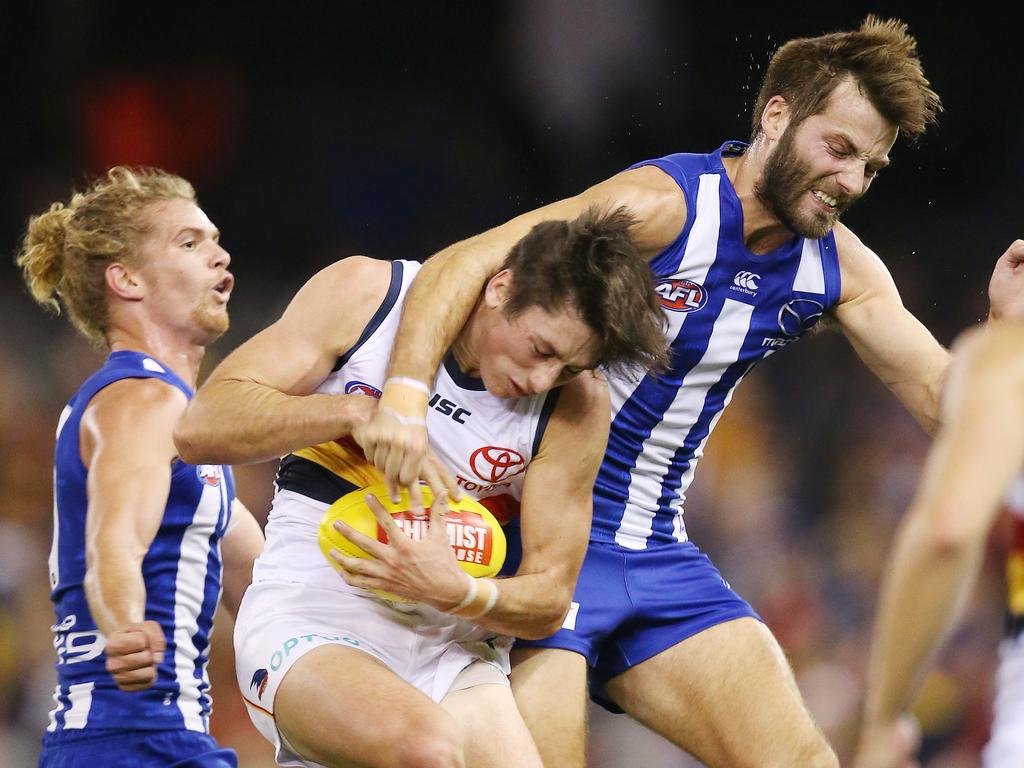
356 268
348 282
575 439
861 270
136 414
653 198
340 297
128 399
584 404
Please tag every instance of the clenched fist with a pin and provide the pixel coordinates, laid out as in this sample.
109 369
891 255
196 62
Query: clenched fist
133 653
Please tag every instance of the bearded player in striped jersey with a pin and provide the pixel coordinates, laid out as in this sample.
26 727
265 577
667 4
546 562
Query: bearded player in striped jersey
749 254
941 546
142 542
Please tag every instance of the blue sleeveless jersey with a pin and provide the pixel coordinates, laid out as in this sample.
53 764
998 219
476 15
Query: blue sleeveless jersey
182 573
726 310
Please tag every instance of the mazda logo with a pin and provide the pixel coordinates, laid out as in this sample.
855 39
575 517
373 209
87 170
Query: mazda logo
798 315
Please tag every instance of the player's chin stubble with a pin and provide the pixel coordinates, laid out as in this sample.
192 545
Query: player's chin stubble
784 181
214 324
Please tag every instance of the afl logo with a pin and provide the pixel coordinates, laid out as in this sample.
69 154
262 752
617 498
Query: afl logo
799 315
492 464
358 387
209 474
681 295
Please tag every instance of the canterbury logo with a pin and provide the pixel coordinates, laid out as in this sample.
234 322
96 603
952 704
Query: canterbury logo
746 280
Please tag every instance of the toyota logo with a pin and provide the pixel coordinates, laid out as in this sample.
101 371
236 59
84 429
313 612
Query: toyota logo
492 464
792 318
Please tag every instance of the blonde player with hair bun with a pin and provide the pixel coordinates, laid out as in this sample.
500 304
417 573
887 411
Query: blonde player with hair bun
332 674
68 248
143 542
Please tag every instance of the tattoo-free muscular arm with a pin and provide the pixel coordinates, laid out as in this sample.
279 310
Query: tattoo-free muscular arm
556 510
940 545
893 343
127 448
259 403
447 287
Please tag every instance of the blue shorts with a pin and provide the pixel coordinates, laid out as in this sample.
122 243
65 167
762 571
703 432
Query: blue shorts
631 605
132 749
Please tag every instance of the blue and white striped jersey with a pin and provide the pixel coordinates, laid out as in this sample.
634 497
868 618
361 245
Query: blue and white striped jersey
727 309
182 572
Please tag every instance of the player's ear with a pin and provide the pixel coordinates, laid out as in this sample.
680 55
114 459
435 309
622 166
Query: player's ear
775 117
499 289
124 282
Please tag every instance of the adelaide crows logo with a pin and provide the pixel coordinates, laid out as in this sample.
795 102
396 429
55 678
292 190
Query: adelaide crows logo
362 388
259 682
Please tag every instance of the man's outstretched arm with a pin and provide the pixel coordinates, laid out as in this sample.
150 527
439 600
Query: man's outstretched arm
261 401
894 344
127 448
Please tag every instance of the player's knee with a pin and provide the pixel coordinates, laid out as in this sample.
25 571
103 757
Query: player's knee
814 754
822 756
437 745
807 752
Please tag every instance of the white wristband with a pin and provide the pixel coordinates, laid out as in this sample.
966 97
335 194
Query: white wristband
408 381
401 418
491 600
471 591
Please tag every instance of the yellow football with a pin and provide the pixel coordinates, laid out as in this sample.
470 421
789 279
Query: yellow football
476 537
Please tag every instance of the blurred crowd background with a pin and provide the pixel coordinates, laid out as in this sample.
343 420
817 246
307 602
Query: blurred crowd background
318 130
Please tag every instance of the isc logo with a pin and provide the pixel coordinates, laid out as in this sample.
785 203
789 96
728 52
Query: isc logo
681 295
448 408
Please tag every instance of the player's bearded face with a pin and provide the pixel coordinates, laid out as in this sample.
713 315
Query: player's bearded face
787 185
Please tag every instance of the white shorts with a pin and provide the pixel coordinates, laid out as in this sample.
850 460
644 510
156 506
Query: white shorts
1005 748
279 621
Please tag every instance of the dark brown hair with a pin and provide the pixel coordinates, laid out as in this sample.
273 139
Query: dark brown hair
882 59
66 250
592 265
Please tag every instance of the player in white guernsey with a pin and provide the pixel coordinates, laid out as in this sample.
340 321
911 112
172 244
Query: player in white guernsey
142 542
940 547
332 674
748 254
